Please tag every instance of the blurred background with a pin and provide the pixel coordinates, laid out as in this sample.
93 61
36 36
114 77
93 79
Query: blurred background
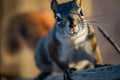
24 22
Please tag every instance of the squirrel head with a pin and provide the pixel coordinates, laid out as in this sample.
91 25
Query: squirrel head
69 18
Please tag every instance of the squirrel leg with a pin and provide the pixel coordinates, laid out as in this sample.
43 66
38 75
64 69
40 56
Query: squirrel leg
67 73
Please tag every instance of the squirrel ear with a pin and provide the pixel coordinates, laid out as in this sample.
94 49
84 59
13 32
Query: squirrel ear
54 5
78 2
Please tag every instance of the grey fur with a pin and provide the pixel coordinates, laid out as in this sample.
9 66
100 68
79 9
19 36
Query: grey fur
61 47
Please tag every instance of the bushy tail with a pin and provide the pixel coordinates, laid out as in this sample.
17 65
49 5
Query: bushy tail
19 29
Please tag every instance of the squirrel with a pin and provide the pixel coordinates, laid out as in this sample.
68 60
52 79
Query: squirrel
71 40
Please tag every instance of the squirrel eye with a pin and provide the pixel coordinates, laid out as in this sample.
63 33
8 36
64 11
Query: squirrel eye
58 19
81 12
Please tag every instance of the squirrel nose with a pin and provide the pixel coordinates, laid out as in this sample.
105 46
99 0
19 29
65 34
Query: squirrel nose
72 24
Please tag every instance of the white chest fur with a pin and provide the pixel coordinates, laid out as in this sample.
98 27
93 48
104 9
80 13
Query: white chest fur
81 37
74 48
69 53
